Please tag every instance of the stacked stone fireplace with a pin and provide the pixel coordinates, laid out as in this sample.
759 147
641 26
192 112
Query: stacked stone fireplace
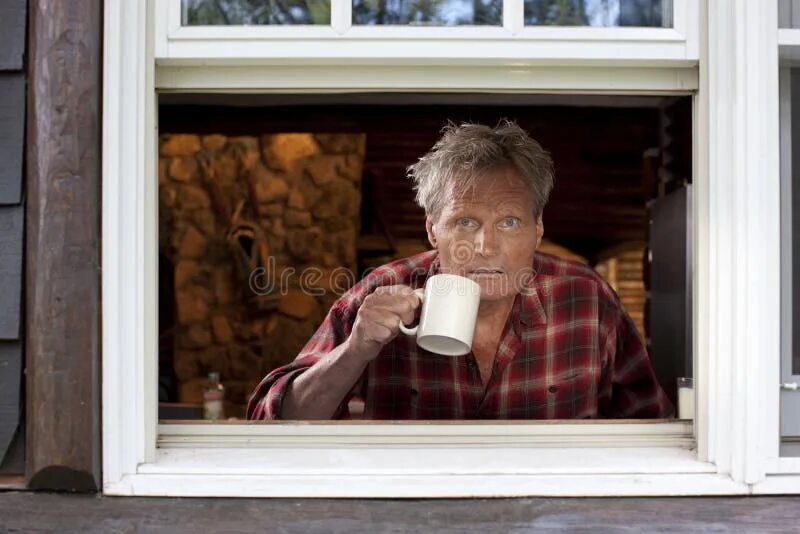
279 204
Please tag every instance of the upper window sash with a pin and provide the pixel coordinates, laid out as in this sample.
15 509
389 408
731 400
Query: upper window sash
341 40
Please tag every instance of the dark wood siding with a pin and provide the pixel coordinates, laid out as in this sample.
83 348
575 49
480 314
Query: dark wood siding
12 133
12 34
12 232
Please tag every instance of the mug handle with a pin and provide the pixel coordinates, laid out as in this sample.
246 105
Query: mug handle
412 331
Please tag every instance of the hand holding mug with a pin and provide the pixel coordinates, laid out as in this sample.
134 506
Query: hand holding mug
380 316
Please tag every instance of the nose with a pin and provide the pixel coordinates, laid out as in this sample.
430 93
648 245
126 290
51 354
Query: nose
486 242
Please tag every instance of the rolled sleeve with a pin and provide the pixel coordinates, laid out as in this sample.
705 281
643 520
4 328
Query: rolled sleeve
267 400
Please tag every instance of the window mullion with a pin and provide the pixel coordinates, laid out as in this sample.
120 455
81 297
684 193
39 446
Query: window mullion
513 16
341 15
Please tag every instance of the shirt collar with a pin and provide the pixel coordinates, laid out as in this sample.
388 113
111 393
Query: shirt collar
529 304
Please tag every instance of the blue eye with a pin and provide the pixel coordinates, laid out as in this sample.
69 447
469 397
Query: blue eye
510 222
464 221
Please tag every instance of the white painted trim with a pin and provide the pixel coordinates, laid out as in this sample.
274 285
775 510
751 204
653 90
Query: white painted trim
455 78
341 16
513 16
426 486
342 41
783 466
788 37
161 21
701 290
148 177
344 460
530 45
777 485
736 241
128 112
409 435
743 235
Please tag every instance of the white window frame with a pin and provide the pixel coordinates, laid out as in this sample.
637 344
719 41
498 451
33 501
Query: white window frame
736 239
513 41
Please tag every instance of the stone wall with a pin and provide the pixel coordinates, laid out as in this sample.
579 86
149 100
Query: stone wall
301 194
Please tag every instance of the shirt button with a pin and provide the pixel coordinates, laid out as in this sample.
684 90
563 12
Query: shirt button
552 389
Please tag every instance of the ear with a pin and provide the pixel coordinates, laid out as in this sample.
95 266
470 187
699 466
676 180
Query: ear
539 231
429 227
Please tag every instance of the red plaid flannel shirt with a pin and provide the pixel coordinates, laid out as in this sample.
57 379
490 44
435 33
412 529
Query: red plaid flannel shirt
569 350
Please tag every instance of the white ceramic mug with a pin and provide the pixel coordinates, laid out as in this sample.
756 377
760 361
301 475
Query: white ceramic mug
449 311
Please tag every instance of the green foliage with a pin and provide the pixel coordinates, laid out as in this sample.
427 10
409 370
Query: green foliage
255 12
595 12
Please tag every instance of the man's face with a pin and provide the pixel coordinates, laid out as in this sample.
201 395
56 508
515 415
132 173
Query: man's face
488 234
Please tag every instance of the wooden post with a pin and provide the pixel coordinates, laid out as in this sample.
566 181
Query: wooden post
63 245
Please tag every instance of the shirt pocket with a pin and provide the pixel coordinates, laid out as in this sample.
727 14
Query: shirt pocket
573 395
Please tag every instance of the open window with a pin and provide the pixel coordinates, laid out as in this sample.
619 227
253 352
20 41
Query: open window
677 69
293 185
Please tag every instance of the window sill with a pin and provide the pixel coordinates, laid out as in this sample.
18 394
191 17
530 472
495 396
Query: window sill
416 460
561 434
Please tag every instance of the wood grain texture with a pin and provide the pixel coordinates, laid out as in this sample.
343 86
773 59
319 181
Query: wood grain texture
62 275
12 34
43 512
12 222
12 135
10 387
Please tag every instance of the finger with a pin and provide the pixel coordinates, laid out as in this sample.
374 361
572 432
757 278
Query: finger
402 310
397 289
403 305
379 325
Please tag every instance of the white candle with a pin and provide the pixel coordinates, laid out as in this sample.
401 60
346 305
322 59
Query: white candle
685 403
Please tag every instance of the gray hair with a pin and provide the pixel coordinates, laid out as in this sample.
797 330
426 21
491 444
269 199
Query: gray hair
467 150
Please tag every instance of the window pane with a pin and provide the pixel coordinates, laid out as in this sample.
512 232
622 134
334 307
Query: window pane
648 13
272 206
792 234
254 12
789 13
794 254
428 12
790 257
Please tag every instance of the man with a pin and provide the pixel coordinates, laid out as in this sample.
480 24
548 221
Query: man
552 340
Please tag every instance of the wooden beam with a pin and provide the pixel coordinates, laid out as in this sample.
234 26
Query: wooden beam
63 240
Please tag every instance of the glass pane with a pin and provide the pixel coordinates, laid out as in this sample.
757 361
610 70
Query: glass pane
789 13
254 12
428 12
790 255
647 13
791 235
794 252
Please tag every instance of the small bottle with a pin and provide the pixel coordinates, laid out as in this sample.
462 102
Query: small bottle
213 397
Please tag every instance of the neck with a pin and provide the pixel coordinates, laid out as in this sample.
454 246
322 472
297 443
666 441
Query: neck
495 311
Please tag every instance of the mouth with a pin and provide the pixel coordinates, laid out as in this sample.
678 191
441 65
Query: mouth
486 272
